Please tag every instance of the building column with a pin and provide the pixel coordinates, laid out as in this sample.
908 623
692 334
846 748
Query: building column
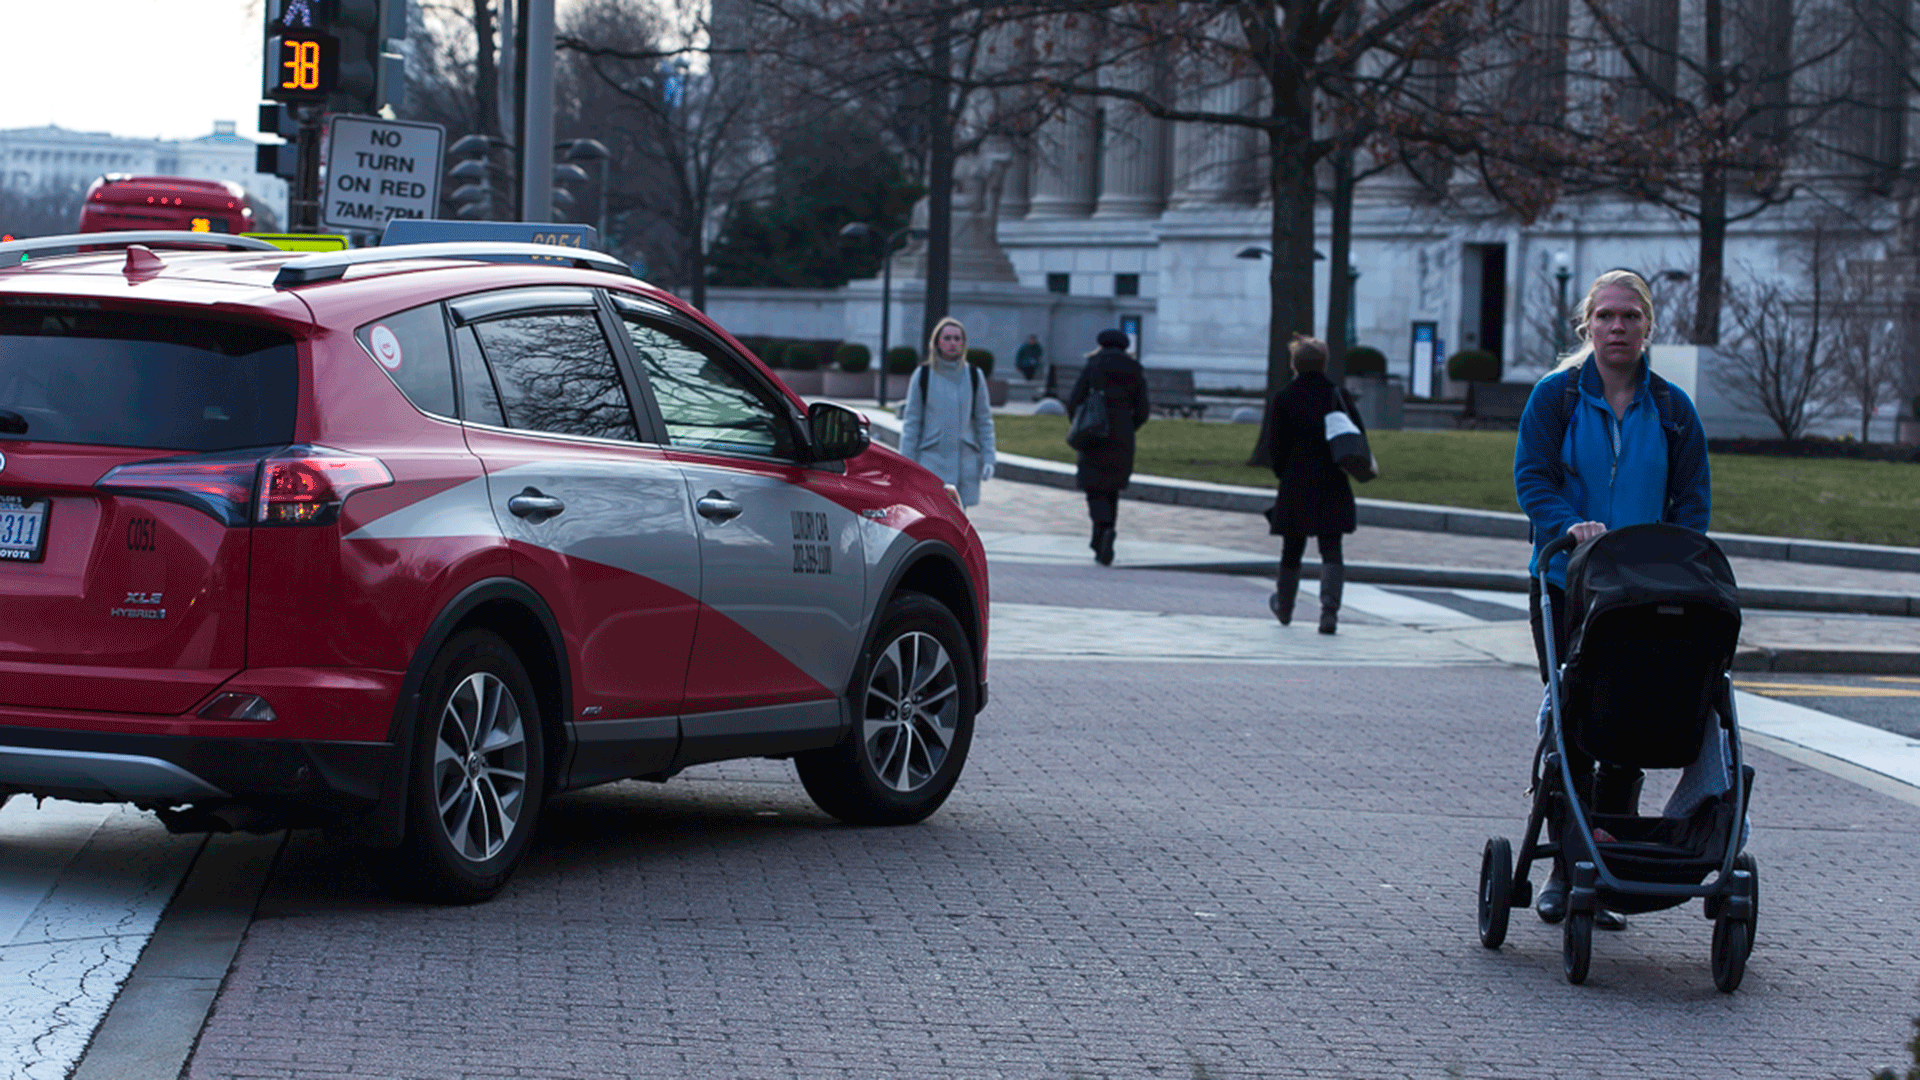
1133 162
1063 167
1214 164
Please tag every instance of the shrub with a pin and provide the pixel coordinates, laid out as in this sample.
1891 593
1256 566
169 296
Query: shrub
853 357
982 359
803 357
772 353
1914 405
1366 360
1473 365
902 359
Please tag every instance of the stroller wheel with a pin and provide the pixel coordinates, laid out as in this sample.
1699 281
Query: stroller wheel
1496 885
1576 948
1745 861
1732 941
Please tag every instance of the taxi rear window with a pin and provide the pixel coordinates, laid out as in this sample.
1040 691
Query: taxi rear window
108 378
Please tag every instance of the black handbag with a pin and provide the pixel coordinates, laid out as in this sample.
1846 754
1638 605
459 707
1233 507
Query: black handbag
1090 426
1347 443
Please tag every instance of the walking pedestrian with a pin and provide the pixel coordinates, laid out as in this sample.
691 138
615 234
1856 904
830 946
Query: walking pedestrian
1104 470
946 422
1315 499
1604 442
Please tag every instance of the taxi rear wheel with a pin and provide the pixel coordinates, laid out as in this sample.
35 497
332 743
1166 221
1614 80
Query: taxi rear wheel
476 777
913 722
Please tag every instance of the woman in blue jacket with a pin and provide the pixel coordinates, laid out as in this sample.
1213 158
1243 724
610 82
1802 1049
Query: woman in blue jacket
1604 442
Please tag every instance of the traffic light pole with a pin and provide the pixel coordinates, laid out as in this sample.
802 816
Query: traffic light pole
303 196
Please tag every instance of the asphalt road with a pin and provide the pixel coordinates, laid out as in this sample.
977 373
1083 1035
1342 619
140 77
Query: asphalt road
1258 859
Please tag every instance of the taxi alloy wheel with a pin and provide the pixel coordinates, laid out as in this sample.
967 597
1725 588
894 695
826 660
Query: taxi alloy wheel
477 776
913 722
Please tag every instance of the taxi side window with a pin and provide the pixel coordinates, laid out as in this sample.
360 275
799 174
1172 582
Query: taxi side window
706 401
556 373
411 346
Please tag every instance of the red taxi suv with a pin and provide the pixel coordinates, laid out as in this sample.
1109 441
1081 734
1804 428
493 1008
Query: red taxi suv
402 541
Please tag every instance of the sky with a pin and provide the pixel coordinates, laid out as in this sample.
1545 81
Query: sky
140 69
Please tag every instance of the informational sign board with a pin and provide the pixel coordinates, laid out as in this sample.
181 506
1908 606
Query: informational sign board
1130 325
380 170
1425 353
302 241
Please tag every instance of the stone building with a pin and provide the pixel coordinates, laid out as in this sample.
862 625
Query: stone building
54 159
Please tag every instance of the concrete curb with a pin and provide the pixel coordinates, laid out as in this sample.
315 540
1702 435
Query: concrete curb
1385 514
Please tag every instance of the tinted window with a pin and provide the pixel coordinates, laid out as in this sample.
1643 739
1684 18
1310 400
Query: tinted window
412 347
126 379
556 373
478 400
706 398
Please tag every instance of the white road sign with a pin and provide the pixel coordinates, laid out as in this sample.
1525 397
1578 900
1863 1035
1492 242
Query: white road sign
378 170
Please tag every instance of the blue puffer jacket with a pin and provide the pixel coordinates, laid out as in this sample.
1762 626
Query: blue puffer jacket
1625 471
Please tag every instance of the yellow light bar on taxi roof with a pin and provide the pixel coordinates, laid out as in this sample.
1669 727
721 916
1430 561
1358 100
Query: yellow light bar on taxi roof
302 241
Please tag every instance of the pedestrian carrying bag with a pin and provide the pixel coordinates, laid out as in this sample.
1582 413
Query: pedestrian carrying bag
1347 442
1090 427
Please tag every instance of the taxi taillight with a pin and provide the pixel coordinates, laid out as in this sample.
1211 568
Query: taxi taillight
300 485
307 485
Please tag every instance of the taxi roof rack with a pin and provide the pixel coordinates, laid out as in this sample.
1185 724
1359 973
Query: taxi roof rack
331 265
35 246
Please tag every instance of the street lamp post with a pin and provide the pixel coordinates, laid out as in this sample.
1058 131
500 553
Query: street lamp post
1562 270
861 228
1353 292
596 151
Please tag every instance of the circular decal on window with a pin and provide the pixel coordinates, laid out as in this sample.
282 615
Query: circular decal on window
386 347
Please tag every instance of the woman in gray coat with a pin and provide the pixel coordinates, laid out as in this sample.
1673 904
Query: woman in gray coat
946 423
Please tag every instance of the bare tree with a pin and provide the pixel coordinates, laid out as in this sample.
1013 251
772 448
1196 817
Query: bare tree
1863 353
1776 363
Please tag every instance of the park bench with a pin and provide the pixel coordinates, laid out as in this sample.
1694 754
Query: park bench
1495 404
1169 390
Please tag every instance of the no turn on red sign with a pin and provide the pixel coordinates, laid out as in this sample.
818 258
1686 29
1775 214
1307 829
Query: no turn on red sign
378 170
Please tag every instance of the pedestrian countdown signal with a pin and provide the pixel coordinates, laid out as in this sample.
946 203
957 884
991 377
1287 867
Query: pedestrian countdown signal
303 66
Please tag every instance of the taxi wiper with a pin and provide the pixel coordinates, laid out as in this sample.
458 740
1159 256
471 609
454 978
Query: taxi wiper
12 423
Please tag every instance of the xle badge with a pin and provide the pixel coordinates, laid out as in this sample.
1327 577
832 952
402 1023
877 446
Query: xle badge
139 612
812 543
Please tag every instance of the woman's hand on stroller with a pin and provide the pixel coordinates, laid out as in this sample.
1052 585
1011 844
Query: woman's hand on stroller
1583 531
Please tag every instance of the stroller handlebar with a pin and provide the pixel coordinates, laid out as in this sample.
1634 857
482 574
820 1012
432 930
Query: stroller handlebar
1563 542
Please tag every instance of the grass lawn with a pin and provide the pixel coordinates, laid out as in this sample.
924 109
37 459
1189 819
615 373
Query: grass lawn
1869 502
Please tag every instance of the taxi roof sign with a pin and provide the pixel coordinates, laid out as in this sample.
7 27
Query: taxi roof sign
435 231
303 241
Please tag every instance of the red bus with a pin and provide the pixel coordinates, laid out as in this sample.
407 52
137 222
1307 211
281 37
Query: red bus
118 202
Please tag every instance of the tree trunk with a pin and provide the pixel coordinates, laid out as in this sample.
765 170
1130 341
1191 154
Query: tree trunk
1290 285
1340 252
939 183
1713 255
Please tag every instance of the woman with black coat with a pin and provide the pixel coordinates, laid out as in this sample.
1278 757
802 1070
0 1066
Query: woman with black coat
1105 469
1315 497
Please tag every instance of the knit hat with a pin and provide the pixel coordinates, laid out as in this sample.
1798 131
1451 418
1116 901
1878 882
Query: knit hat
1113 339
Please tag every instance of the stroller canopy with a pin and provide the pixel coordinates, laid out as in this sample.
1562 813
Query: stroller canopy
1645 564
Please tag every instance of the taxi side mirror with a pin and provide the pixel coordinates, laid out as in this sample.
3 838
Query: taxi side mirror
837 432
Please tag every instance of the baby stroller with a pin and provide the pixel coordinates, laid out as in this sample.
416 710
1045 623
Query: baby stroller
1654 616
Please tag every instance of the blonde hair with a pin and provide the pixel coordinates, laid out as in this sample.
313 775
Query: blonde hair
933 339
1307 353
1625 279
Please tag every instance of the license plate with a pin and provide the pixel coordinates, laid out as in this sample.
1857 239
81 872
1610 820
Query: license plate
23 527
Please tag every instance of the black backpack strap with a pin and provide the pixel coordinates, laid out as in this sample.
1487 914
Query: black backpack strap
1569 399
921 374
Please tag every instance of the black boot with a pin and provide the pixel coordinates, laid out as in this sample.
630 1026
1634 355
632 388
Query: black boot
1103 544
1333 580
1281 602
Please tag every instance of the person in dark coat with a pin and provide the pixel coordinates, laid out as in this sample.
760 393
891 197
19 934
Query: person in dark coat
1105 469
1315 497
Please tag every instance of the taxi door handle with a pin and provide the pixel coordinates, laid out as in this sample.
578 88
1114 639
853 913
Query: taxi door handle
717 507
531 504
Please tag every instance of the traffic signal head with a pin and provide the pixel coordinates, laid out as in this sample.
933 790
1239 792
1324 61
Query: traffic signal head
334 52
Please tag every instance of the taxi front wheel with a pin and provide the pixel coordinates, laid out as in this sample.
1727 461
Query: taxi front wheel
474 784
913 722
